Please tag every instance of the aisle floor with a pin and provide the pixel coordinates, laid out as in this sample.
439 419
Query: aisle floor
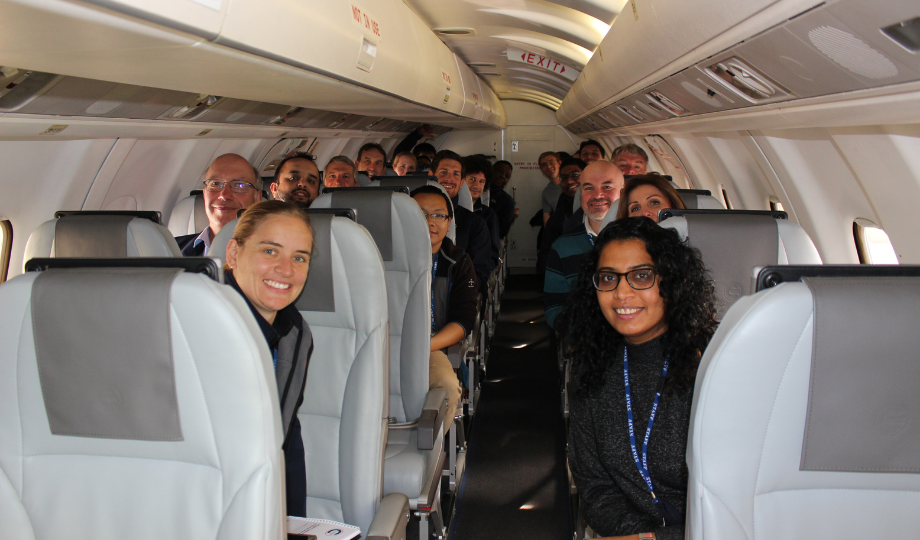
515 484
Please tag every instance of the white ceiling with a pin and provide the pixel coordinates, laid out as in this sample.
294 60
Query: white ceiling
566 32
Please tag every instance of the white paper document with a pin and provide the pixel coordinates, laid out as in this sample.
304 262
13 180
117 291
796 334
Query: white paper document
322 529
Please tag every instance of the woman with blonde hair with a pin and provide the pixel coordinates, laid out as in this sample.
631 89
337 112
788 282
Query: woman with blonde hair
267 263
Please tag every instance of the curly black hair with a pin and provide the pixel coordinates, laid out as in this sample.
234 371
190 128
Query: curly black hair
683 283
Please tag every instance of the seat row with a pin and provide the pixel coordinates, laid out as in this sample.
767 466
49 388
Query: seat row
373 433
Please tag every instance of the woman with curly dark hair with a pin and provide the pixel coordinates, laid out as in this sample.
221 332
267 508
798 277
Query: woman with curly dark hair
641 314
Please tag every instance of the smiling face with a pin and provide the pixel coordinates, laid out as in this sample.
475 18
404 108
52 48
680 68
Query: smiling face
569 179
404 165
647 201
434 205
631 163
448 174
339 174
271 265
477 184
549 166
221 206
298 182
601 183
639 316
372 162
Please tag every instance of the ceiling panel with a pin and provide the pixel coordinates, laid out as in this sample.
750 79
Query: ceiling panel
556 40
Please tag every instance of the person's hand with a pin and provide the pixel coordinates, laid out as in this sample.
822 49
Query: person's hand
425 131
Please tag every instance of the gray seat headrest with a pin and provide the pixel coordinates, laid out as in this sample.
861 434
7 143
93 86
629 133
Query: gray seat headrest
117 381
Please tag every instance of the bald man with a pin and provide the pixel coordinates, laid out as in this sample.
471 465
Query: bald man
230 184
601 182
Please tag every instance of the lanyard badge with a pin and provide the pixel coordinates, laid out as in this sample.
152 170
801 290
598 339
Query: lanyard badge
642 464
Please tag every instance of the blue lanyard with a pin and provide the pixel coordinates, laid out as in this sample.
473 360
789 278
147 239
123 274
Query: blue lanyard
275 358
643 464
434 272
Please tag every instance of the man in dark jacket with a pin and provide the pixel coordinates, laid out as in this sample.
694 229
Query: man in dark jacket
230 184
472 231
569 179
454 292
501 203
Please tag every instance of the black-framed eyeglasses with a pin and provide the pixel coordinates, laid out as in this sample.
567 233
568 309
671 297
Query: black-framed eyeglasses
235 186
639 279
573 176
437 218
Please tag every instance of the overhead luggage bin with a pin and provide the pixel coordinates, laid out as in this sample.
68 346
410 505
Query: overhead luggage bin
391 61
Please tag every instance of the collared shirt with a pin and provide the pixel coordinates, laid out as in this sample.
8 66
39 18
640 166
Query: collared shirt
205 237
589 230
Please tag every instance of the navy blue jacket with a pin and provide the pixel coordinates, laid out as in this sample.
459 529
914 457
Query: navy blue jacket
188 247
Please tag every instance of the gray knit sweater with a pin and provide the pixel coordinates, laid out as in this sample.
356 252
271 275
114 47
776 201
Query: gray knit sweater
615 499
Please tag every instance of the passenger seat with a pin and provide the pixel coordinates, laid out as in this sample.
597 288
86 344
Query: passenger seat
344 414
188 216
735 242
415 446
804 421
102 234
120 422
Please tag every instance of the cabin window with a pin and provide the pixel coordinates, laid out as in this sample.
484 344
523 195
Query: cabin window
775 205
873 244
6 247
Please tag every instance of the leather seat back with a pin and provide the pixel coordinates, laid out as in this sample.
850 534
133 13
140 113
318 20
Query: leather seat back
733 244
100 236
416 182
119 422
464 197
188 216
803 422
398 227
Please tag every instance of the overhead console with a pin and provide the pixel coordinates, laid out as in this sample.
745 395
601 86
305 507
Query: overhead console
742 54
245 62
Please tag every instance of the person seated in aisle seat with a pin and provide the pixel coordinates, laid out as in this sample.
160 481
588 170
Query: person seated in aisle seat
630 158
477 173
372 160
230 184
408 144
296 180
340 172
590 151
645 195
569 180
267 263
601 183
405 163
454 291
472 233
637 323
549 166
499 200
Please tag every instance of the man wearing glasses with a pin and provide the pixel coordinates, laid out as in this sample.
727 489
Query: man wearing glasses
230 184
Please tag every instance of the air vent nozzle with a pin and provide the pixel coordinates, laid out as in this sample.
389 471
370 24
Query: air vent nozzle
200 105
742 79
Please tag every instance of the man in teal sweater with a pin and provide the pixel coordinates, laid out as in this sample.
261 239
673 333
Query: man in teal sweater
601 183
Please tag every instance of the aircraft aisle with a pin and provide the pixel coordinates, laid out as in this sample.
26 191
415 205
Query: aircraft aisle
515 484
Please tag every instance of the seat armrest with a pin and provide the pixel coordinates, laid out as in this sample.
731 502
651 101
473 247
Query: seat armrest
457 352
391 520
432 418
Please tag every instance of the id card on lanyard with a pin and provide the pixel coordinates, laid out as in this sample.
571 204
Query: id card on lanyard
642 464
434 273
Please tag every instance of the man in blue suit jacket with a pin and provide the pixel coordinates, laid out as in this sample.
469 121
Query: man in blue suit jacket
230 185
